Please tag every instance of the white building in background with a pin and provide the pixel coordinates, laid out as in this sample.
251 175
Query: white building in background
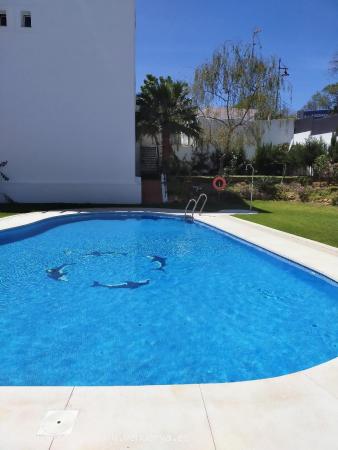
67 100
275 132
315 128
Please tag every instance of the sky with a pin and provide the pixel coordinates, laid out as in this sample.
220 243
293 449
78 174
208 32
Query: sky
175 36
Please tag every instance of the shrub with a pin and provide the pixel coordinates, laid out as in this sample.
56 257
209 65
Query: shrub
304 194
335 172
334 200
264 160
238 161
304 155
272 159
200 161
313 149
333 149
304 181
215 161
282 192
325 195
267 186
243 189
322 166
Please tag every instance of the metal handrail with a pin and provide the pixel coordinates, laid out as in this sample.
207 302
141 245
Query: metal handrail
192 200
197 202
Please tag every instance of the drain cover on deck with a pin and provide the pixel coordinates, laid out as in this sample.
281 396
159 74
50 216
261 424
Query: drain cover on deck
57 423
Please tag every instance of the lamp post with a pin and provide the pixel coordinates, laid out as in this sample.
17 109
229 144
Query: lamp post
282 72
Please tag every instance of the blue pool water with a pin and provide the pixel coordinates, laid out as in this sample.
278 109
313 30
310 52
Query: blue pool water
154 301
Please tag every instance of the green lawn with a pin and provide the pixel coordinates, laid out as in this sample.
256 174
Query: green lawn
4 214
319 223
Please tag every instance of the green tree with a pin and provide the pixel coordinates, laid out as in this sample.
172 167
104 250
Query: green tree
264 159
272 159
313 148
165 109
282 157
304 155
322 166
233 88
327 98
333 149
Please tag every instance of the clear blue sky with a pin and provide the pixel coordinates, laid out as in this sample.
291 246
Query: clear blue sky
174 36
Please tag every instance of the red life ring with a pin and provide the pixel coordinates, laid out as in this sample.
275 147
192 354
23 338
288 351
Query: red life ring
219 184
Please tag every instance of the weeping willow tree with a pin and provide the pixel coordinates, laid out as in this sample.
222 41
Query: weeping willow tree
232 89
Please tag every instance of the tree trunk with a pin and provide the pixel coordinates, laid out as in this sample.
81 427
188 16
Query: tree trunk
221 165
222 158
166 150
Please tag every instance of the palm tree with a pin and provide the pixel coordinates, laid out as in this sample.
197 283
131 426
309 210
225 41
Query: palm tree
165 109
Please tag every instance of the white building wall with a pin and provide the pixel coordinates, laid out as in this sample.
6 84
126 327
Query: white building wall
67 101
300 138
275 132
325 137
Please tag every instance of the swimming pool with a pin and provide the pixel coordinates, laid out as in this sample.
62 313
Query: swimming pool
123 299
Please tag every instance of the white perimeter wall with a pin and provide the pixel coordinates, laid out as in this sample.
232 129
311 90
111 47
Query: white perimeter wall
278 131
67 101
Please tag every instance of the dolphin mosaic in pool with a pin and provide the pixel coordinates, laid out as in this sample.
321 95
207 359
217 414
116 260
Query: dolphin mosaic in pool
159 260
125 285
58 273
100 254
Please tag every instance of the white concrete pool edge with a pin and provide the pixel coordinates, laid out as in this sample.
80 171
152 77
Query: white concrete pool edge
297 411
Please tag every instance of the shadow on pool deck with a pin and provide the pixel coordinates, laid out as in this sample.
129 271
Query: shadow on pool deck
227 201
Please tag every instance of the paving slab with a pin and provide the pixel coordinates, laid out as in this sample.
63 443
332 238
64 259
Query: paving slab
21 411
160 417
287 413
326 376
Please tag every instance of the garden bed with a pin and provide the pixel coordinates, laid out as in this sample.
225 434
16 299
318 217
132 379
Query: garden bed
293 189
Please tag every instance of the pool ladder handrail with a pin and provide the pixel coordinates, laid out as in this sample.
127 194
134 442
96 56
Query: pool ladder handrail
192 200
196 202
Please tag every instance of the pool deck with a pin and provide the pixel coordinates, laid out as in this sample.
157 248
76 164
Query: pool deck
293 412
